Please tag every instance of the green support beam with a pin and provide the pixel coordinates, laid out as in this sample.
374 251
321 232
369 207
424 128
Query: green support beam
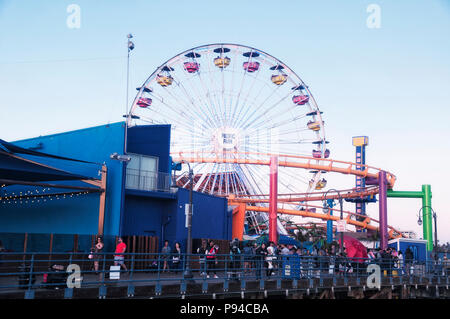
425 195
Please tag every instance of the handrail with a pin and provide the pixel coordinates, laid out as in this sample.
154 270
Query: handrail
228 267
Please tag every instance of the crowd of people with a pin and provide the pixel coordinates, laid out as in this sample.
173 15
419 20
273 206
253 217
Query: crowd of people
265 259
268 259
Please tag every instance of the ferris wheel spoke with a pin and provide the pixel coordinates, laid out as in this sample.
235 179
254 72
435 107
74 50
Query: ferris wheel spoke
279 113
256 110
203 175
178 111
194 89
261 177
182 126
209 177
214 84
264 124
229 117
208 95
268 109
239 180
245 73
254 186
294 177
194 110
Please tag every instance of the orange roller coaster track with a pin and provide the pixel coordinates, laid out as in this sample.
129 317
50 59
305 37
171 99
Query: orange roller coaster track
296 161
365 224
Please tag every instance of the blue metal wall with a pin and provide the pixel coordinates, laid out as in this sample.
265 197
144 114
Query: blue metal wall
141 213
152 140
210 218
146 214
78 215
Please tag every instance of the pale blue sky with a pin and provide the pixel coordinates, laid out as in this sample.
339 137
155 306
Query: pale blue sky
391 83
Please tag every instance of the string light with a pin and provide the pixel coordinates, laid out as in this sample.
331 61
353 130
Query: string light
32 196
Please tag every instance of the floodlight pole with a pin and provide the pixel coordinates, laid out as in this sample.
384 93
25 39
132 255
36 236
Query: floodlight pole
188 272
130 46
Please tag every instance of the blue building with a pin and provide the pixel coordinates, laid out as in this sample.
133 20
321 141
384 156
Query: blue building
139 198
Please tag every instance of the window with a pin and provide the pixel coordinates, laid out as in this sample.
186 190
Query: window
142 172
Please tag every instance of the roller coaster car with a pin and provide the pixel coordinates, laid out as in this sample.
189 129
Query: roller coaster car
222 62
191 67
315 126
318 154
279 79
251 66
144 102
307 209
164 80
300 99
321 184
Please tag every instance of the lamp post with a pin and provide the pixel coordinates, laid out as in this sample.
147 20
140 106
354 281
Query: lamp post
419 222
130 46
187 271
342 215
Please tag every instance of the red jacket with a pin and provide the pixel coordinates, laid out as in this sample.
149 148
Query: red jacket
211 254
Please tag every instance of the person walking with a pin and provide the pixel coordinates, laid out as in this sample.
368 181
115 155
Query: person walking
400 262
119 259
97 253
409 258
235 258
270 261
260 256
201 252
165 254
446 265
176 258
248 258
211 259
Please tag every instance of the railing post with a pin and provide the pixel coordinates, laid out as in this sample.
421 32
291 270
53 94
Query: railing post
159 266
30 279
226 267
132 266
103 269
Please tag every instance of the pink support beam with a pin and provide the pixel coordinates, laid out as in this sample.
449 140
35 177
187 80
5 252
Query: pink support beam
273 196
384 236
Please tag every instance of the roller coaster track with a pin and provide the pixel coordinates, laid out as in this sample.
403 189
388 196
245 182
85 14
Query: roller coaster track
304 162
295 161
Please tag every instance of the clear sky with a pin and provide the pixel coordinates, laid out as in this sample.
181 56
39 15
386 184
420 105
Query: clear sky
390 83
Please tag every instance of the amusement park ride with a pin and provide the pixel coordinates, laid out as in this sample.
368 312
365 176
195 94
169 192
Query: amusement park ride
253 133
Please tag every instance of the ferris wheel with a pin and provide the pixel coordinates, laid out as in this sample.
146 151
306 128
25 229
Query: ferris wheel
232 100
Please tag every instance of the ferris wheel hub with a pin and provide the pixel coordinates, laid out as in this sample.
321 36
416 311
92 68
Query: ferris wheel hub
226 139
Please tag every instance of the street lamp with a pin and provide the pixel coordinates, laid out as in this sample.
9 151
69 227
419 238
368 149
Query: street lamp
187 271
419 222
130 46
342 215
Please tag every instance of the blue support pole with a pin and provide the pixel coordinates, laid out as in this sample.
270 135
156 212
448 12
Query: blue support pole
360 142
330 204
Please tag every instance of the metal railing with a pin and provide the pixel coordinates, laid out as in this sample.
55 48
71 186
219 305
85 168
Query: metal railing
148 180
44 270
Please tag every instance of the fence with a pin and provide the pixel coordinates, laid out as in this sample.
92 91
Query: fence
37 271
